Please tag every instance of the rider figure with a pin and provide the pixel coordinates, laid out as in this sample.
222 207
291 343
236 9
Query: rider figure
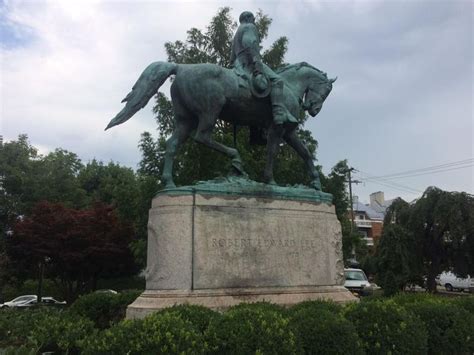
246 59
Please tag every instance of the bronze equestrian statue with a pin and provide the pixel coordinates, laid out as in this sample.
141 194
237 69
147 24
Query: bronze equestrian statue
251 94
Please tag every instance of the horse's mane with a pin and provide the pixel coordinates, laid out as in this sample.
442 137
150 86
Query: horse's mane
298 66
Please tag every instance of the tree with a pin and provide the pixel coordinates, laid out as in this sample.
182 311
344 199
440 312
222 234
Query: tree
443 225
74 247
196 162
397 260
111 184
434 234
17 180
335 183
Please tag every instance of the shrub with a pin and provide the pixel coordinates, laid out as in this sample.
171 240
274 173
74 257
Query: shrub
42 329
198 316
466 302
320 330
405 298
450 328
316 306
159 333
385 327
14 325
61 331
104 309
250 329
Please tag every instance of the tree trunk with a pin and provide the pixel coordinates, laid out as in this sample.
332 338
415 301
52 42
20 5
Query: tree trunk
433 271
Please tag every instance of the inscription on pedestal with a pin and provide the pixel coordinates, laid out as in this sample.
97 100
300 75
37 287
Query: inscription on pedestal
233 248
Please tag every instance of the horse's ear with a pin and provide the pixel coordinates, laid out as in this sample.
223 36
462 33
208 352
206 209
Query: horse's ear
333 80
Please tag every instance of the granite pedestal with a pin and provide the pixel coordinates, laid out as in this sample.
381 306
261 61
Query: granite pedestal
218 249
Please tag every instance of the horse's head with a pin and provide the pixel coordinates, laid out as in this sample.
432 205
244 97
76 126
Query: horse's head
316 93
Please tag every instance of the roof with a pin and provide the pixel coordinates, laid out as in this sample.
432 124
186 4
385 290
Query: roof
369 211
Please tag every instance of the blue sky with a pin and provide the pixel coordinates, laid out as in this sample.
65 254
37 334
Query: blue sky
403 99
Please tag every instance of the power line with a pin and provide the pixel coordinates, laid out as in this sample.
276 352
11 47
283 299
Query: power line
425 173
428 170
390 184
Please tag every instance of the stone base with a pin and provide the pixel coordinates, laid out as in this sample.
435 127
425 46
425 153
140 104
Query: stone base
220 244
221 299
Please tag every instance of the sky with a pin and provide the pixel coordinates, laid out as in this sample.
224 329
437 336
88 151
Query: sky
402 103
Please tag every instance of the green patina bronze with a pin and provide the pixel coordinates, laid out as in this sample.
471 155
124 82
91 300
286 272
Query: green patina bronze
250 94
237 186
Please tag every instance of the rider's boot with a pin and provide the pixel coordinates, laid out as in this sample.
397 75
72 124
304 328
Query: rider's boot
281 115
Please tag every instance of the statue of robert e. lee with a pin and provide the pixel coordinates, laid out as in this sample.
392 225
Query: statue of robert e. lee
246 59
203 93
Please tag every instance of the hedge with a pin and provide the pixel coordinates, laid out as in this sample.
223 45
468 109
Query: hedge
104 309
405 324
251 329
385 327
321 329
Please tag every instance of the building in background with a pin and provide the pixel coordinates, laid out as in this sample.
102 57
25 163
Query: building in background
368 218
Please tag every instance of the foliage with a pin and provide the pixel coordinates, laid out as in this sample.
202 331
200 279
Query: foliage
315 307
434 234
465 302
387 328
198 316
104 309
159 333
76 247
59 331
449 327
42 329
397 260
252 329
320 331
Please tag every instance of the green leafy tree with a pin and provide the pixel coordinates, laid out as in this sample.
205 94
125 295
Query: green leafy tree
336 184
434 234
397 259
443 225
17 180
194 161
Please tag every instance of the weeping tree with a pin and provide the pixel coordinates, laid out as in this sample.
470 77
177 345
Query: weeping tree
434 234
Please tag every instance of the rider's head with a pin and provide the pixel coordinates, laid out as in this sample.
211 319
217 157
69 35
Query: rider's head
246 17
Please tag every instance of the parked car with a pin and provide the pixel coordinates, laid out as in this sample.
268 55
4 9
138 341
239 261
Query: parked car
107 291
357 282
18 301
31 301
452 282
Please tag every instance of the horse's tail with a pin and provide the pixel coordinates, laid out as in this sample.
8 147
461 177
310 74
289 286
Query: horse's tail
146 86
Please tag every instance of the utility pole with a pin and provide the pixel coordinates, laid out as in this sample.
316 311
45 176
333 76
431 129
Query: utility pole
350 195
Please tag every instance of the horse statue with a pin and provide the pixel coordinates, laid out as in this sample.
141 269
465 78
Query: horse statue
202 93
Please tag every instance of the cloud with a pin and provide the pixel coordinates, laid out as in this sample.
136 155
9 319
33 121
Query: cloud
403 99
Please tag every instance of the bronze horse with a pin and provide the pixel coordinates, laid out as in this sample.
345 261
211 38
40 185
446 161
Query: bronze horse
202 93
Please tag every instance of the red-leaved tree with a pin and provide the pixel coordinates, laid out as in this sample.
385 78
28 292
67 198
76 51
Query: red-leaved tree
73 247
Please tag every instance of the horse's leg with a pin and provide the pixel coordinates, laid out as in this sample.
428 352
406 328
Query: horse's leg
274 136
204 136
292 139
180 134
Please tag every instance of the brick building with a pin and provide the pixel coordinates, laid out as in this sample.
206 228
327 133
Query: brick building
368 218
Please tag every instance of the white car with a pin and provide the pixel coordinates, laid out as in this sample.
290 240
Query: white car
31 301
452 282
19 301
357 282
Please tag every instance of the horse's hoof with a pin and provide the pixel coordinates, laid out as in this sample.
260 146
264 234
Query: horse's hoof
170 185
272 182
237 165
